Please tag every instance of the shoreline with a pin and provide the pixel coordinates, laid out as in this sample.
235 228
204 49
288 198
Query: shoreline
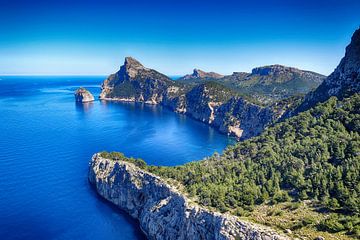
163 211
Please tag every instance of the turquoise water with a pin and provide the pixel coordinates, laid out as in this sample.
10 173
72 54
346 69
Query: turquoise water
47 140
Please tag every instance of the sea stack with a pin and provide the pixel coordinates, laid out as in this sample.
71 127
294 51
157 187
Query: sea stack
82 95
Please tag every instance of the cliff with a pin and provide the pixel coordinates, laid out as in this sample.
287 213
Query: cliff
343 82
134 82
163 212
199 75
83 95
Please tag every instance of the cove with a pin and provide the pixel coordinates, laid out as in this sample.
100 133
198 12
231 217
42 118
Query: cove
47 140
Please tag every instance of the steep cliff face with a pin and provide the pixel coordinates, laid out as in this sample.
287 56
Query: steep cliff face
134 82
343 82
199 76
162 211
203 100
83 95
242 118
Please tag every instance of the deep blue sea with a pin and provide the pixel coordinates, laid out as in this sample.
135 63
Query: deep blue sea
47 140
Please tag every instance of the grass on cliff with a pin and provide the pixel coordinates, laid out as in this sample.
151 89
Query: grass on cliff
309 162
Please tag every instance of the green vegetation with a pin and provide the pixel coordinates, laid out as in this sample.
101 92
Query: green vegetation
266 84
313 157
117 156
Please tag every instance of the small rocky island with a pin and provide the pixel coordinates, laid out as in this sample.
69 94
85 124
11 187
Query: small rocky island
83 95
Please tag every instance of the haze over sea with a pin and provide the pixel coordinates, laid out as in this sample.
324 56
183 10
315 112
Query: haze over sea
47 140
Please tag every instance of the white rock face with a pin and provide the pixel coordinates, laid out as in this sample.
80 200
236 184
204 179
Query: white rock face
83 95
162 211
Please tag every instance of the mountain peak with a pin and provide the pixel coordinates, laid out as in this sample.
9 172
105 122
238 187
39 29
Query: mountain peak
199 74
132 67
273 69
343 82
132 62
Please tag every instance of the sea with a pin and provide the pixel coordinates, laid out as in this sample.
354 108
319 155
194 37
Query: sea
47 141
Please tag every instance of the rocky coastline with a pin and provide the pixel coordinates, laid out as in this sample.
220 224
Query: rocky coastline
162 211
208 102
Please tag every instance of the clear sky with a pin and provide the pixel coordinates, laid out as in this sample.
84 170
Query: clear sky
173 36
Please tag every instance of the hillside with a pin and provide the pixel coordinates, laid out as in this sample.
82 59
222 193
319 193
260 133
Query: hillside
301 175
268 83
343 82
311 162
199 76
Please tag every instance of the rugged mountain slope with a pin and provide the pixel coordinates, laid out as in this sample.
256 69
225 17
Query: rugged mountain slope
208 102
134 82
307 166
163 212
199 76
268 83
313 156
343 82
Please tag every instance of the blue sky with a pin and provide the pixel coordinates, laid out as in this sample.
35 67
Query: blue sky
93 37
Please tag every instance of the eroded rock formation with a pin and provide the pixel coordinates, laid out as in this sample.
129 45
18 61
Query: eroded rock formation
163 212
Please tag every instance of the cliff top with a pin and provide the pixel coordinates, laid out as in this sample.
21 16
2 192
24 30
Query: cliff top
279 69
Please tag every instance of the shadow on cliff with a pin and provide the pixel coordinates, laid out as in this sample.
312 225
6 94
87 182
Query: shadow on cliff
138 232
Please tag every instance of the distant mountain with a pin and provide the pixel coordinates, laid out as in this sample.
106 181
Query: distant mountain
273 82
208 101
343 82
267 84
136 83
199 75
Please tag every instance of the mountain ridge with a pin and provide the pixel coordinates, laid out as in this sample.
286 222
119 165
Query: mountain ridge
343 82
208 101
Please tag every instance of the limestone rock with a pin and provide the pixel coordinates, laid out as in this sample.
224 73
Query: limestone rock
201 75
343 82
83 95
162 211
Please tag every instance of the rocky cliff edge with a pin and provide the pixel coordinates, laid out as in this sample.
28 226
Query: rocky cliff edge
162 211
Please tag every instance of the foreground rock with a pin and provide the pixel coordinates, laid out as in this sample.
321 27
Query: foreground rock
83 95
162 211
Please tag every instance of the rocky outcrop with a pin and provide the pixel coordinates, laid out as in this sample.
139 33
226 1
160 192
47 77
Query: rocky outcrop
163 212
201 75
134 82
343 82
221 108
243 119
83 95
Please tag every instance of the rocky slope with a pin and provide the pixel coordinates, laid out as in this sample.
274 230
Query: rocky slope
343 82
273 82
83 95
134 82
199 75
162 211
266 83
208 102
